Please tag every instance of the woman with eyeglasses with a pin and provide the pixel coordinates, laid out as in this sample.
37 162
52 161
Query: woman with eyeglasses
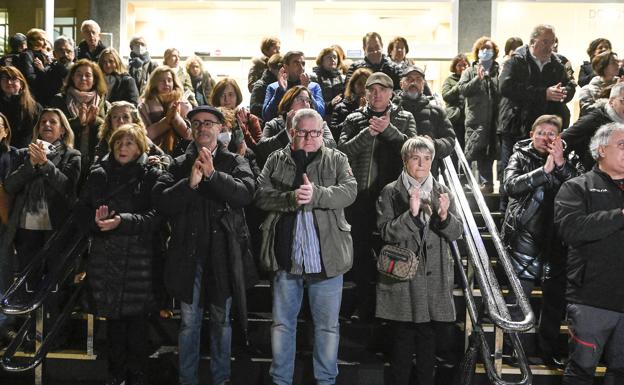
83 102
18 106
275 135
163 111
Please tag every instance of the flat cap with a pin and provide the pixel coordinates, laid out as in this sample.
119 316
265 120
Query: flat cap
380 78
210 109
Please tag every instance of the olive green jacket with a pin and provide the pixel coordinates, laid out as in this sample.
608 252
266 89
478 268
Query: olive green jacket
334 189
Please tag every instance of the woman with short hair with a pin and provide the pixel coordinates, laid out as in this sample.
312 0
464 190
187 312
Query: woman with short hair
586 72
269 46
415 212
163 111
119 83
327 74
116 208
453 99
397 52
34 60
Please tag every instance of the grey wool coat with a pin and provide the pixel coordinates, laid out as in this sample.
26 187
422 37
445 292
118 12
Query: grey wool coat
429 295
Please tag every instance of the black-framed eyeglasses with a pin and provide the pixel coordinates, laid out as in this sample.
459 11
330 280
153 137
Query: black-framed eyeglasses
195 124
311 134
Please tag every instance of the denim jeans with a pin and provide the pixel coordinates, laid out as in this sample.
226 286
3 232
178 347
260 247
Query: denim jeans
190 334
324 296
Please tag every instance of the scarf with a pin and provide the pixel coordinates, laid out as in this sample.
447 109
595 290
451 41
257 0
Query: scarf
612 114
35 190
75 99
426 189
161 104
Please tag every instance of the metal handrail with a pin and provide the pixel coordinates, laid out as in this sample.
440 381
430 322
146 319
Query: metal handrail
490 289
496 305
65 246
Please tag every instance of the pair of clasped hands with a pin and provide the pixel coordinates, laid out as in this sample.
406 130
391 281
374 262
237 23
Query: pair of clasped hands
555 155
414 203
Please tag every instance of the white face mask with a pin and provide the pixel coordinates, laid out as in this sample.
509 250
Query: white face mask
139 49
224 138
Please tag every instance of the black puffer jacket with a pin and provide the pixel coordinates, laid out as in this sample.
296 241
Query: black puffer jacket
528 226
578 135
385 65
258 92
375 160
332 84
119 267
586 74
340 113
523 90
588 214
431 121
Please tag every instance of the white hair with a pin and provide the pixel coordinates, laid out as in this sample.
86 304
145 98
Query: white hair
92 23
602 137
307 113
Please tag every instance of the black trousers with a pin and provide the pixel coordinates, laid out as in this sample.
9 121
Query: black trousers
420 340
127 345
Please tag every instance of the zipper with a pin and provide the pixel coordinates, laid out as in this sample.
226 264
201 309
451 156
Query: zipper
370 163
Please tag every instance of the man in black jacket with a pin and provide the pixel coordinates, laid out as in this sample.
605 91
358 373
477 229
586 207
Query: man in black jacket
54 76
375 60
430 119
533 82
91 47
203 196
590 219
577 136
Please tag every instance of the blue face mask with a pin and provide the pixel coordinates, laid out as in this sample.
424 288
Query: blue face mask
486 54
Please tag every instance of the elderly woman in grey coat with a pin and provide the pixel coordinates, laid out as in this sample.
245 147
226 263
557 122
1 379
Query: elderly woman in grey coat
416 212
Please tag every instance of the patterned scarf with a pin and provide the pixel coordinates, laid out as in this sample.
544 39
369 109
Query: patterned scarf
426 188
75 99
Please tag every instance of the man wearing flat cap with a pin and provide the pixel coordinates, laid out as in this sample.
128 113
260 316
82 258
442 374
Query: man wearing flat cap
202 196
430 119
372 137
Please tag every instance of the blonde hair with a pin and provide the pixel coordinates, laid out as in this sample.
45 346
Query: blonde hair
119 65
68 138
132 130
151 89
106 129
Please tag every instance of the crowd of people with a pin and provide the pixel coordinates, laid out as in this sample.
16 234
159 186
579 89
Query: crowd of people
186 193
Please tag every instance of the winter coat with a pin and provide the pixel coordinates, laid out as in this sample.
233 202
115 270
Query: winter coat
34 76
523 93
334 189
21 122
578 135
60 184
590 93
275 93
385 65
340 113
102 149
82 52
588 215
430 120
203 88
258 92
482 97
121 87
274 137
332 84
429 295
120 262
454 100
586 74
215 207
256 71
140 67
52 82
375 160
528 228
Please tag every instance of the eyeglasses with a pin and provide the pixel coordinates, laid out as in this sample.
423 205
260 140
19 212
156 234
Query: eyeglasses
311 134
9 79
544 134
196 124
302 99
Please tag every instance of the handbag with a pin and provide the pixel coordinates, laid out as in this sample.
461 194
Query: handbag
397 262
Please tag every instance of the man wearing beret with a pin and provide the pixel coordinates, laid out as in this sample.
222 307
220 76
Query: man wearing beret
203 196
372 138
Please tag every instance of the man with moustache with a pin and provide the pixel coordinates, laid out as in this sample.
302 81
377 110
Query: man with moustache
430 119
54 76
203 196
